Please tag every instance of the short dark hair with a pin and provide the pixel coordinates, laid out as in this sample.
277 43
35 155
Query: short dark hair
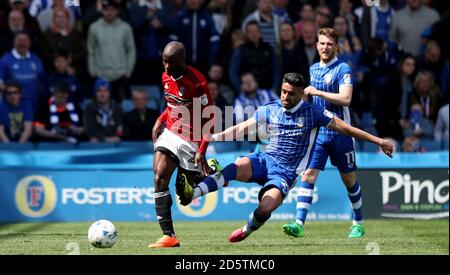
294 79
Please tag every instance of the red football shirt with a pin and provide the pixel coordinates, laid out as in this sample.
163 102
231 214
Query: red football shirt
186 99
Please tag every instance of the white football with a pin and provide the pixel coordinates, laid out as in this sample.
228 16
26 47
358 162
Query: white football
102 234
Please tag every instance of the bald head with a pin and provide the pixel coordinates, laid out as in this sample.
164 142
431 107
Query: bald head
174 56
175 49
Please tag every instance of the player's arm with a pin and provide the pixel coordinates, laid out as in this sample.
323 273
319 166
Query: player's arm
236 131
158 124
340 126
343 98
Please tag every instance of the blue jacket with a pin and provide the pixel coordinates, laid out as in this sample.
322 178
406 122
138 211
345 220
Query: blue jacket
196 30
28 72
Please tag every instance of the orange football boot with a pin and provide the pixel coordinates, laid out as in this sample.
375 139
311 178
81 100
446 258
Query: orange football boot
165 241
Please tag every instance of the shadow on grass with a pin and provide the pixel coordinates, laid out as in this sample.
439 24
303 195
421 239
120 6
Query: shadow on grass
25 230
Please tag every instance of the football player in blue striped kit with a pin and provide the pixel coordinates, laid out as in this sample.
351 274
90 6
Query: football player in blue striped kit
293 126
331 87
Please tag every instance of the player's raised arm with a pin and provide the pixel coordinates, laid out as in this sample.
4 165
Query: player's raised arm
235 131
340 126
343 98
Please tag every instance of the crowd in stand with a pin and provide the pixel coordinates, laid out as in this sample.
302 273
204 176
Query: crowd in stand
71 73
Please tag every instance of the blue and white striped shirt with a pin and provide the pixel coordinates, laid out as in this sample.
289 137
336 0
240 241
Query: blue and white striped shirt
328 78
292 133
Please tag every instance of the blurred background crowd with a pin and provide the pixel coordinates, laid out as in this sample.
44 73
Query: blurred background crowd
74 71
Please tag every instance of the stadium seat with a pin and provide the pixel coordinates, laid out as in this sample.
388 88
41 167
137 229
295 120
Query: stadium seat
16 146
431 145
154 95
369 147
127 105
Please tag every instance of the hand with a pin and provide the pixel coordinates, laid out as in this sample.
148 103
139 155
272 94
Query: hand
200 162
156 131
312 91
387 147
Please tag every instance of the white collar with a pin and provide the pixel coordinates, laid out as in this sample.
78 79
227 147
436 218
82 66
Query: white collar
293 110
322 65
176 79
16 54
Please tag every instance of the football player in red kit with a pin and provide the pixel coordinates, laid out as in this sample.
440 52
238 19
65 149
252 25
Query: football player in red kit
177 135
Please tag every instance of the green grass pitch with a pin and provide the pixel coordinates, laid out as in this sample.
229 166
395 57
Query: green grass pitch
210 238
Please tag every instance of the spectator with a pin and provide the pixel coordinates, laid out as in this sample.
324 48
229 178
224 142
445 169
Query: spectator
138 123
409 23
111 50
103 117
376 22
218 101
16 116
60 119
279 8
61 64
221 14
25 68
418 125
346 11
43 11
62 37
251 98
31 24
215 74
442 126
323 16
17 24
257 57
149 21
350 49
293 56
432 61
393 100
308 48
412 144
306 14
196 30
267 20
426 94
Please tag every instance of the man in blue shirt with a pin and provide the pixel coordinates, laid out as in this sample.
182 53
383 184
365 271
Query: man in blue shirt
293 125
25 68
331 87
16 116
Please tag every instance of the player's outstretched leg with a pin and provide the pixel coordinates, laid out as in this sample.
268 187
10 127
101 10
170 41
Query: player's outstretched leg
304 200
354 193
185 183
270 201
209 184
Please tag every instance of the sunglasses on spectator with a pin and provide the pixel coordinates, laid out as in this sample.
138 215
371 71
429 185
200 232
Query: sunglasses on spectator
15 92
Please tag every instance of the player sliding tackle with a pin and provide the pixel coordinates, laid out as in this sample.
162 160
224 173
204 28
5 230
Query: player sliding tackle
293 127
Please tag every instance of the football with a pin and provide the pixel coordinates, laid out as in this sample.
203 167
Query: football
102 234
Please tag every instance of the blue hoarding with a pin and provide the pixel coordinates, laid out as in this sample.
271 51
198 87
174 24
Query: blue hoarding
85 184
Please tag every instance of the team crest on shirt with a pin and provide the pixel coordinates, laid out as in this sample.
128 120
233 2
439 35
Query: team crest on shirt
327 78
166 87
299 122
33 66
